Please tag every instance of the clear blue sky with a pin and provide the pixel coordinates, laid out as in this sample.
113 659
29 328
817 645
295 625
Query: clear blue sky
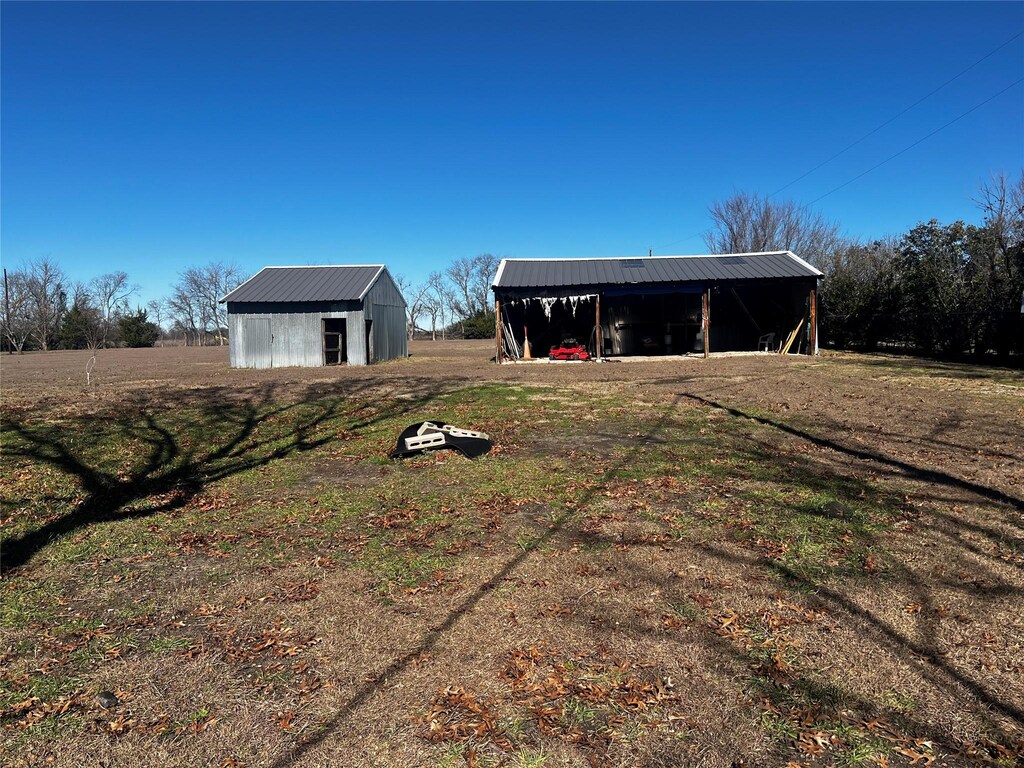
150 137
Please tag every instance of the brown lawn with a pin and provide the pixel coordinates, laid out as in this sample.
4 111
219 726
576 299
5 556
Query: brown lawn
740 561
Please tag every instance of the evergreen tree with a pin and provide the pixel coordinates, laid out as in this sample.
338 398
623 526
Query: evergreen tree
78 329
137 330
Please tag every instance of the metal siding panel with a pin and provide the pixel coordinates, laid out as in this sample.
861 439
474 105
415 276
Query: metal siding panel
356 338
389 337
255 342
234 329
384 292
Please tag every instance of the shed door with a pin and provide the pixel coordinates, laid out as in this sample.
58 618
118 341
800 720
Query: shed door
256 343
335 347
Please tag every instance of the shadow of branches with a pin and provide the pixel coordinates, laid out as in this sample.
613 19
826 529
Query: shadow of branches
437 633
183 442
920 650
924 474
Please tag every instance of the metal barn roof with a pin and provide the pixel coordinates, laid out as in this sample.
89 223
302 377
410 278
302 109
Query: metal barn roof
558 273
337 283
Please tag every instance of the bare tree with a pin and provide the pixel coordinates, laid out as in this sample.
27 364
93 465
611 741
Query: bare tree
45 281
413 296
111 292
1002 202
91 329
470 281
998 259
195 304
460 275
485 267
431 296
441 300
157 311
746 223
185 315
16 311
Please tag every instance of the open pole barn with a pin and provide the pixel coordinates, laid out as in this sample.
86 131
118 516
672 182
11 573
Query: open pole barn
657 305
314 316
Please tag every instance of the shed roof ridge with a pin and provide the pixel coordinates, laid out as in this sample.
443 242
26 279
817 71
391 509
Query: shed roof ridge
666 256
317 266
275 283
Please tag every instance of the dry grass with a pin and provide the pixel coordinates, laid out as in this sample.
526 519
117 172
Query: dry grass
739 561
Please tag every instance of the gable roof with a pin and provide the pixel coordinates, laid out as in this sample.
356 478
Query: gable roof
313 283
556 273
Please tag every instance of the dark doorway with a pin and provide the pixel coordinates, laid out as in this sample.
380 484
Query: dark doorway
369 341
335 346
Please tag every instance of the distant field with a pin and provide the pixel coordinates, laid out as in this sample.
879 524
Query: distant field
743 561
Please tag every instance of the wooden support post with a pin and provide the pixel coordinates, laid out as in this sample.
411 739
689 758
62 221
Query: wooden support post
705 313
497 330
814 323
598 340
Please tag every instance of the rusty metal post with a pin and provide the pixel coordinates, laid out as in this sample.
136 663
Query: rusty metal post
598 340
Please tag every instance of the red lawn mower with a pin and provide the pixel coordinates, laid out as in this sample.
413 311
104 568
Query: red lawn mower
569 349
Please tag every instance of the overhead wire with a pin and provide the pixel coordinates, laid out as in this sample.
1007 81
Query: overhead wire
883 125
898 115
907 148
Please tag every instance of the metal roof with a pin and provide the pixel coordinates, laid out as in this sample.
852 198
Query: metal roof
336 283
557 273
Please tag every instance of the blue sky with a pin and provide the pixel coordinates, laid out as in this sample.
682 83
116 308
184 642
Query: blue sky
151 137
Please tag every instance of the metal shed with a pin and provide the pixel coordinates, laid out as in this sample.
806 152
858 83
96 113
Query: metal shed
658 305
313 316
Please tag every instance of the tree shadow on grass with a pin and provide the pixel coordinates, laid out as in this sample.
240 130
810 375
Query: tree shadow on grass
466 606
912 471
221 434
919 649
921 652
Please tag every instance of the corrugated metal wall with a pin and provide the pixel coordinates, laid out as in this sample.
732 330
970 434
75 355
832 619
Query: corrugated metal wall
263 336
255 341
385 306
295 339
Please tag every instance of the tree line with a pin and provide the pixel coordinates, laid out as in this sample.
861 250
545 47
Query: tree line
42 309
950 290
943 290
453 302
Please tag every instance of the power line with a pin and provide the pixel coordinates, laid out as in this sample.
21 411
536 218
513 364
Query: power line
907 148
911 146
880 127
873 131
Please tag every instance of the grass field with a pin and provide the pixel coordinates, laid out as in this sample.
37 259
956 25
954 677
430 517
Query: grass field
751 561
